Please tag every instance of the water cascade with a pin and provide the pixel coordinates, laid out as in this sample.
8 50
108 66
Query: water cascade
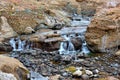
19 45
67 47
85 50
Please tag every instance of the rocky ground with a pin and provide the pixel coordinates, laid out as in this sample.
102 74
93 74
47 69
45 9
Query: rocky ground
65 67
41 20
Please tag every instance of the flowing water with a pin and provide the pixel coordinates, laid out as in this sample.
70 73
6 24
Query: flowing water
20 45
67 47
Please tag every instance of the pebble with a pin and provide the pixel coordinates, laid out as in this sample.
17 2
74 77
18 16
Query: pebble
77 73
65 74
85 77
36 76
95 75
88 72
95 71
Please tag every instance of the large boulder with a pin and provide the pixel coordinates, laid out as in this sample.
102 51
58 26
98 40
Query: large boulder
45 39
6 32
13 66
89 7
22 13
103 32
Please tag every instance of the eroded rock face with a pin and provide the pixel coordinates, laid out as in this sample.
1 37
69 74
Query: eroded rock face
103 32
45 39
22 14
13 66
6 30
89 7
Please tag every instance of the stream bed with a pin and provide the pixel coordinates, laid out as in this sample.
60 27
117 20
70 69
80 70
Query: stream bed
67 63
51 65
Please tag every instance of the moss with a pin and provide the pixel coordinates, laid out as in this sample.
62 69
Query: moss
71 69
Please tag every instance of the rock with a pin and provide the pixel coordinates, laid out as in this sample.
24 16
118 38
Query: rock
56 77
20 21
85 77
66 59
34 53
102 34
50 21
77 42
96 71
117 53
45 39
41 26
112 78
29 30
96 76
80 0
89 7
88 72
36 76
57 58
77 73
71 69
5 47
6 30
65 74
13 66
7 76
108 78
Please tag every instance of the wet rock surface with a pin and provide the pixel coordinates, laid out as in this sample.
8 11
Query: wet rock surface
51 64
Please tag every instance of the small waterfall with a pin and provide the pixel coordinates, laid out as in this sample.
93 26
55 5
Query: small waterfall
19 45
13 44
66 47
85 50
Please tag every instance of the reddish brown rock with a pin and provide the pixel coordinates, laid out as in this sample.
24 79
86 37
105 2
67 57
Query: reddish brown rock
6 30
13 66
103 32
77 42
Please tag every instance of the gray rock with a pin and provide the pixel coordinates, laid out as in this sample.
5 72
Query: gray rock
95 75
88 72
36 76
65 74
96 71
7 76
85 77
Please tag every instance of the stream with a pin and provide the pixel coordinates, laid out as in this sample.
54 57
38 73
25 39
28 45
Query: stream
67 63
